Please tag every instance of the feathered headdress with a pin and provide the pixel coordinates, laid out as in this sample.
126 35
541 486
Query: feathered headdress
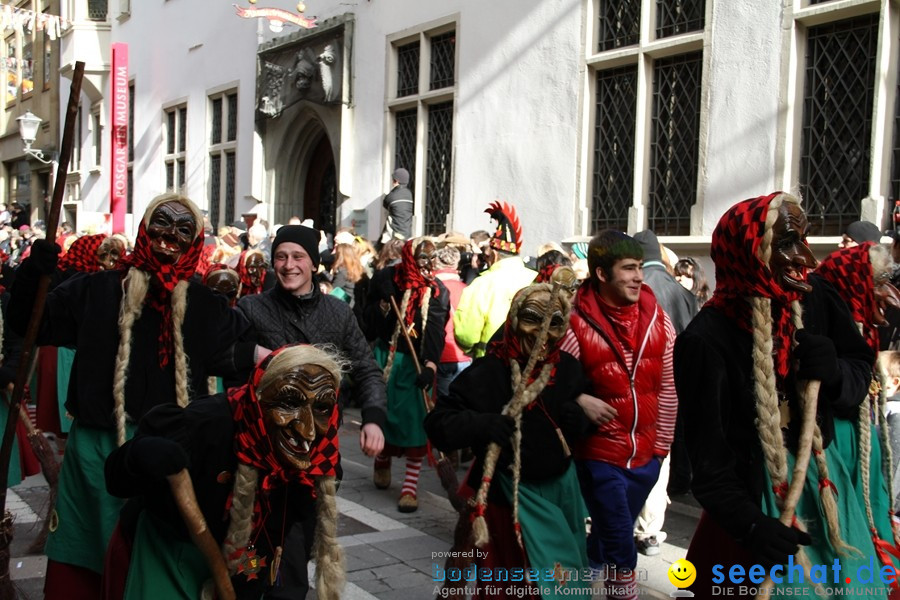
508 236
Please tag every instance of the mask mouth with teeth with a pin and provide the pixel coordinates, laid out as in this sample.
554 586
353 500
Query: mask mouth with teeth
171 230
296 407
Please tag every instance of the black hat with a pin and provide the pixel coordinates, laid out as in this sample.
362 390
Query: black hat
298 234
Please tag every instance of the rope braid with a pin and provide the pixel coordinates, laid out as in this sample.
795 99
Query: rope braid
243 497
134 292
864 425
179 307
328 554
768 416
426 300
887 454
528 396
392 350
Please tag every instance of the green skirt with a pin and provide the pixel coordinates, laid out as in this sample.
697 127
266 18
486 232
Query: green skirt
405 405
552 514
163 567
854 531
85 514
64 359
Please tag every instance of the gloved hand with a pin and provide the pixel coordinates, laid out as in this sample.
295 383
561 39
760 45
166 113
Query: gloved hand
772 542
156 457
496 428
44 256
816 358
425 379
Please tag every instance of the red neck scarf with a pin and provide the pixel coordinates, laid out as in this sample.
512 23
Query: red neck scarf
248 288
163 279
849 270
741 274
82 254
408 277
205 256
253 446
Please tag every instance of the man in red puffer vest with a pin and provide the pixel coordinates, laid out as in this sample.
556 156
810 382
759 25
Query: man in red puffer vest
624 341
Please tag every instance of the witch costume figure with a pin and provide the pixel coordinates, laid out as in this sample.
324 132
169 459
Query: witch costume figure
516 407
424 304
862 277
261 457
762 371
136 330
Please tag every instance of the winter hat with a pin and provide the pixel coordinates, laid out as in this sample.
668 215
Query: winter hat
401 176
648 241
863 231
298 234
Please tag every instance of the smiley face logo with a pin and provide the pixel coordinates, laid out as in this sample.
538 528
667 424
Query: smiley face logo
682 573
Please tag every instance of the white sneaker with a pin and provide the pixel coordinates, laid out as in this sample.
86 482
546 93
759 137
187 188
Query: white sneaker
647 546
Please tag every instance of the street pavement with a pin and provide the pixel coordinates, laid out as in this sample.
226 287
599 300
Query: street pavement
390 555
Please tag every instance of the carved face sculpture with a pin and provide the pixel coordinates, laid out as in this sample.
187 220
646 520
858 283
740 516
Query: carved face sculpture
171 230
296 408
791 257
424 255
567 279
530 316
256 267
225 282
109 253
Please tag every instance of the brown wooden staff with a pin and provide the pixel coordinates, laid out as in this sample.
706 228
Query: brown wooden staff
6 589
186 501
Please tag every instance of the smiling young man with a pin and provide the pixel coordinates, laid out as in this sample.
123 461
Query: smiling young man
624 341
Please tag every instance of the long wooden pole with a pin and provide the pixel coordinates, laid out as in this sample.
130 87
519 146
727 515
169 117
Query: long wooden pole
28 344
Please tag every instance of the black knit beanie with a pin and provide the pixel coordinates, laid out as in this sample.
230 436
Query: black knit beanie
298 234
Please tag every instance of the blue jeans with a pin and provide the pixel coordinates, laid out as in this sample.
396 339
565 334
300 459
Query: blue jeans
614 497
446 373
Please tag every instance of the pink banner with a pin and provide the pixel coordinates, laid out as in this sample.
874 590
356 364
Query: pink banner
118 192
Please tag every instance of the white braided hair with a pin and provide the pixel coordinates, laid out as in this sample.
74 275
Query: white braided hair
134 292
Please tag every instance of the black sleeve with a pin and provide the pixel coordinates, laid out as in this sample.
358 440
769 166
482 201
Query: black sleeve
573 421
122 479
454 421
367 377
704 392
827 314
438 311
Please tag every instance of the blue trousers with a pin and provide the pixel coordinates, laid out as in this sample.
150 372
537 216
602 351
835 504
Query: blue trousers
614 497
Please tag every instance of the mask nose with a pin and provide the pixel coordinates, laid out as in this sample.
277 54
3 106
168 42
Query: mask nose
304 425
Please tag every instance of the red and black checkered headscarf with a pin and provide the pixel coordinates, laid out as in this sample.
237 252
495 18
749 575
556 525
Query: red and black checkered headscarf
203 265
82 254
849 270
408 277
248 288
253 446
741 274
166 277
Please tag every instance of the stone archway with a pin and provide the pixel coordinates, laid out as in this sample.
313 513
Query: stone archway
320 188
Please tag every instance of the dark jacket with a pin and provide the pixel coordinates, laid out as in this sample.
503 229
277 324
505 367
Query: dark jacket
399 206
485 387
430 344
83 313
714 378
279 318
